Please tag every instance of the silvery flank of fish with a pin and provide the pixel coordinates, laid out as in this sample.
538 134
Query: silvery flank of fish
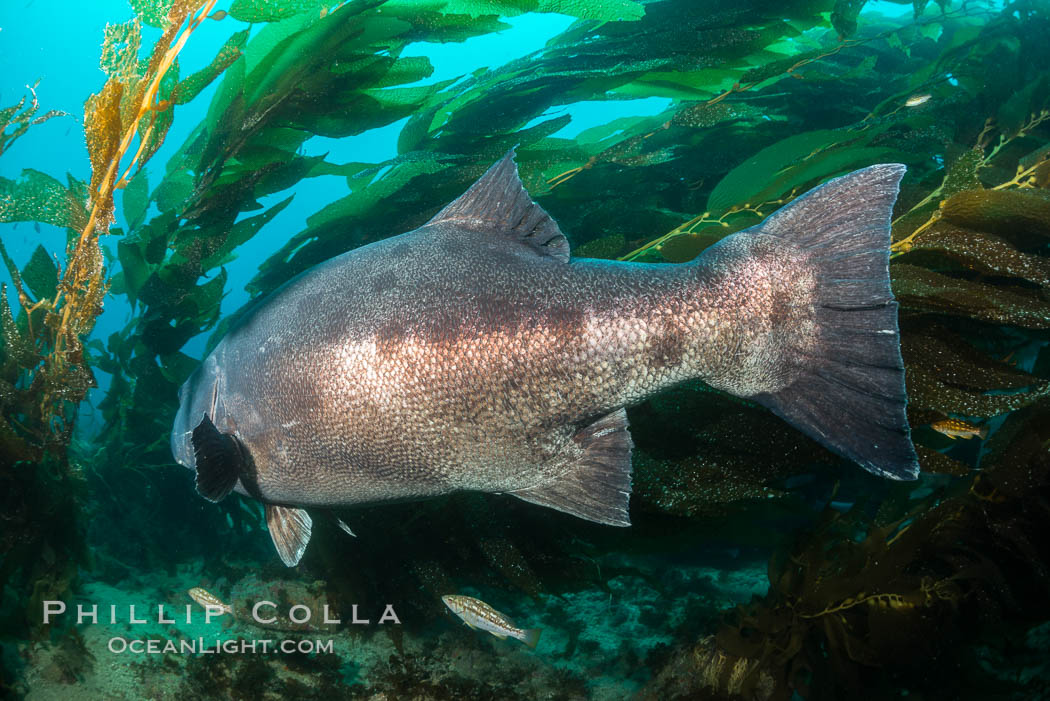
480 616
473 354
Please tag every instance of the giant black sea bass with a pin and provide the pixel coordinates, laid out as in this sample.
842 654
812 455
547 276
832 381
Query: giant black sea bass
474 354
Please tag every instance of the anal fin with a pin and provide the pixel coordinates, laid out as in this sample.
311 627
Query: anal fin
597 484
219 458
290 529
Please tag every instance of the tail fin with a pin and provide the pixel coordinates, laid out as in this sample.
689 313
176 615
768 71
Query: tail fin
531 637
849 393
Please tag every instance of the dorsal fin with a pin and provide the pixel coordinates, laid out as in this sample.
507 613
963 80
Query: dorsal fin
499 204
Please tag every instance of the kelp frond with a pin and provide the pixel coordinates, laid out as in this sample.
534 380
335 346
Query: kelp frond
20 117
1032 171
126 107
44 370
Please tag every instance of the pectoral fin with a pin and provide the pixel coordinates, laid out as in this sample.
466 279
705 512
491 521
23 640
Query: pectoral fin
597 483
290 529
220 459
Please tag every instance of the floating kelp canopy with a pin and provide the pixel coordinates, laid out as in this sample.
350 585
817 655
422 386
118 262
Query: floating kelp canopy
766 99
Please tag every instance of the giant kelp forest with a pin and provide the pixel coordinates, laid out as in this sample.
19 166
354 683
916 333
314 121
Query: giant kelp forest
938 587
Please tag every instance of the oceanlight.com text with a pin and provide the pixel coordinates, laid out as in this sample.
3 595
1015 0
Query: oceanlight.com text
200 646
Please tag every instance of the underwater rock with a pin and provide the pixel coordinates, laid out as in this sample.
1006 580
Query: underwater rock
705 672
296 606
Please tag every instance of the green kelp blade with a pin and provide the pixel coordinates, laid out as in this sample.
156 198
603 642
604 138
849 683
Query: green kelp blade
742 184
40 198
191 86
600 10
271 10
135 200
40 274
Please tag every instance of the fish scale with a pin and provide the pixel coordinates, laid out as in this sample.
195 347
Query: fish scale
473 354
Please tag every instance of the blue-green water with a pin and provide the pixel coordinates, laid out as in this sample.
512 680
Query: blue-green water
759 563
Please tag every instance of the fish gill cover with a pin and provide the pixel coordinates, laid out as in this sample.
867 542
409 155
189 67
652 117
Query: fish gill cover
873 588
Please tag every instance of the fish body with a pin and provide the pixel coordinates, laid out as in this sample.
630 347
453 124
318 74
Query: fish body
207 599
480 616
956 428
472 354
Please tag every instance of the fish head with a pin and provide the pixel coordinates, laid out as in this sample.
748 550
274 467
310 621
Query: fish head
198 396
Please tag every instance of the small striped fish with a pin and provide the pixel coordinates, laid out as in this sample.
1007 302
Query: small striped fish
480 616
954 428
206 599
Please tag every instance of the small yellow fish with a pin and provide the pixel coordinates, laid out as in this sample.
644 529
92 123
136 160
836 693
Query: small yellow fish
480 616
916 100
954 428
206 599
